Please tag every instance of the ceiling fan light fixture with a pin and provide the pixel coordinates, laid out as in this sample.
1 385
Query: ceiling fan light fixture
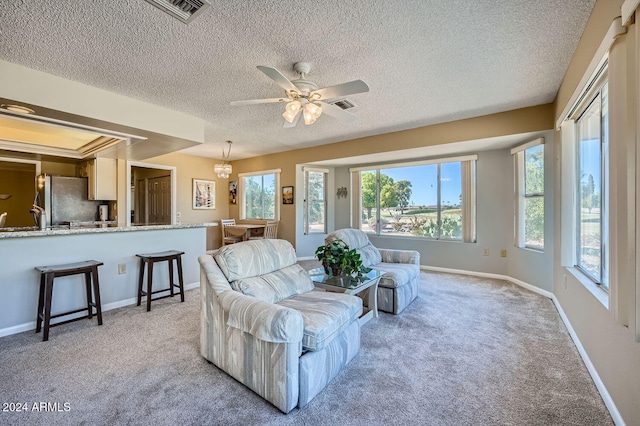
302 94
293 107
309 118
314 109
290 117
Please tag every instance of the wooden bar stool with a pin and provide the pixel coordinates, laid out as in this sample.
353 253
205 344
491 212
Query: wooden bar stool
47 273
149 259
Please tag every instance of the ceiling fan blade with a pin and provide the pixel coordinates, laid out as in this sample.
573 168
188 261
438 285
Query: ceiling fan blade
344 89
288 125
277 76
337 112
260 101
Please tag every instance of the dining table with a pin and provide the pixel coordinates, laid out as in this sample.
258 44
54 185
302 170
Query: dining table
244 230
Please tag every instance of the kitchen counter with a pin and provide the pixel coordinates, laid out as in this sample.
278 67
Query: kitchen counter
116 247
22 232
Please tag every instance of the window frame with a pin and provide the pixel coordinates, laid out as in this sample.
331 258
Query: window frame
242 195
308 202
468 202
594 95
521 193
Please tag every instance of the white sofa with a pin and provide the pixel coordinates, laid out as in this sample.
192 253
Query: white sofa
263 323
399 286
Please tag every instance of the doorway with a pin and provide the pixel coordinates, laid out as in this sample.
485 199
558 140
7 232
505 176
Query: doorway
17 190
152 196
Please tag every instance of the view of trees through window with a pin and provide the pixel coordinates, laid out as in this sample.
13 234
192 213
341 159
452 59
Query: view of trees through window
259 194
421 201
315 199
534 197
592 129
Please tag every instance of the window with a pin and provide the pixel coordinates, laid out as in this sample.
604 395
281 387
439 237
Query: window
258 195
315 187
529 162
592 130
428 199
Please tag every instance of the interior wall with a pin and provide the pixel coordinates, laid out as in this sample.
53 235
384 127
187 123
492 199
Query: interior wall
525 120
610 346
342 205
306 244
59 168
189 167
20 184
532 266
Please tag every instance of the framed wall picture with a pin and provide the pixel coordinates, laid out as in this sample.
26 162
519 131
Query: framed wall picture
204 194
233 192
287 195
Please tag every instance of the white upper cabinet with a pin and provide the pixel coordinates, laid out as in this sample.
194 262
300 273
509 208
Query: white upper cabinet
102 174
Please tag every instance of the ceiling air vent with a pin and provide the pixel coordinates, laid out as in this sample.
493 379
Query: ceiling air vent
343 103
184 10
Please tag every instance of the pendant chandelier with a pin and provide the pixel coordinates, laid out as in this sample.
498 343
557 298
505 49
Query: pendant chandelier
223 170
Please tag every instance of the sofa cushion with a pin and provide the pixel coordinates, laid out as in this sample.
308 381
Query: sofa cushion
276 286
253 258
396 274
324 315
357 239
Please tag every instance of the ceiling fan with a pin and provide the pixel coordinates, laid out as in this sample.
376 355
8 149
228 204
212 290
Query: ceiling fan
305 99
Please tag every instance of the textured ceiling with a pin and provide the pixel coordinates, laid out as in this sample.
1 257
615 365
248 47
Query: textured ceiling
425 61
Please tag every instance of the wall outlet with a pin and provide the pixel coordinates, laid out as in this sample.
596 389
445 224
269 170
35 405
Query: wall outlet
122 268
178 214
503 253
485 251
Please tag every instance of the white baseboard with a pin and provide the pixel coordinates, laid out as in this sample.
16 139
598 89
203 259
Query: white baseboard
608 401
529 287
109 306
606 397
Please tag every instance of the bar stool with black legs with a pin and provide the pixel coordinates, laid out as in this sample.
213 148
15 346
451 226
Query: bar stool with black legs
148 260
47 274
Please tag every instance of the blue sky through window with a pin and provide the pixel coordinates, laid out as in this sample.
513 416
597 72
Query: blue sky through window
424 191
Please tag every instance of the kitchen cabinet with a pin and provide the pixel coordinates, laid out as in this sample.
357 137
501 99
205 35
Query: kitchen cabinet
102 174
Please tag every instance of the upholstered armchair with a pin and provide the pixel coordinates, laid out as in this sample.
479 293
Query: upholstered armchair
263 323
399 286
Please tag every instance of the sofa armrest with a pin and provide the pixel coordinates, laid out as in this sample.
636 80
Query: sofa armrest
400 256
265 321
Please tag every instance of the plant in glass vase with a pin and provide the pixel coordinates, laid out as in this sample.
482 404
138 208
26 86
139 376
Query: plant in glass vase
338 259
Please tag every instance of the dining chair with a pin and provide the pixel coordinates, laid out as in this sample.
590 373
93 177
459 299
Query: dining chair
227 238
270 231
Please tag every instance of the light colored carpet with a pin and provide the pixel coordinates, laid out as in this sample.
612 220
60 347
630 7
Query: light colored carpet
468 351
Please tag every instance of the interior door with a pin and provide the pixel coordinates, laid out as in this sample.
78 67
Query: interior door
140 204
159 196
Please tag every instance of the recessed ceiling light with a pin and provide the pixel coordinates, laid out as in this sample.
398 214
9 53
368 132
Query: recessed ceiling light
18 108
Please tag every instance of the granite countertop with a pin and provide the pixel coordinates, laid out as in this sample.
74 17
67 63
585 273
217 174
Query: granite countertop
22 232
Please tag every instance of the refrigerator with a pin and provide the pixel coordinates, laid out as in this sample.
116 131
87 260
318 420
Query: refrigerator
65 200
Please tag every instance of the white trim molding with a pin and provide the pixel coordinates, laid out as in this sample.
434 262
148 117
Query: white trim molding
529 287
600 57
627 9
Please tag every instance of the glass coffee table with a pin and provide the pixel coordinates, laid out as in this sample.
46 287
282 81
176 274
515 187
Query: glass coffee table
350 285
